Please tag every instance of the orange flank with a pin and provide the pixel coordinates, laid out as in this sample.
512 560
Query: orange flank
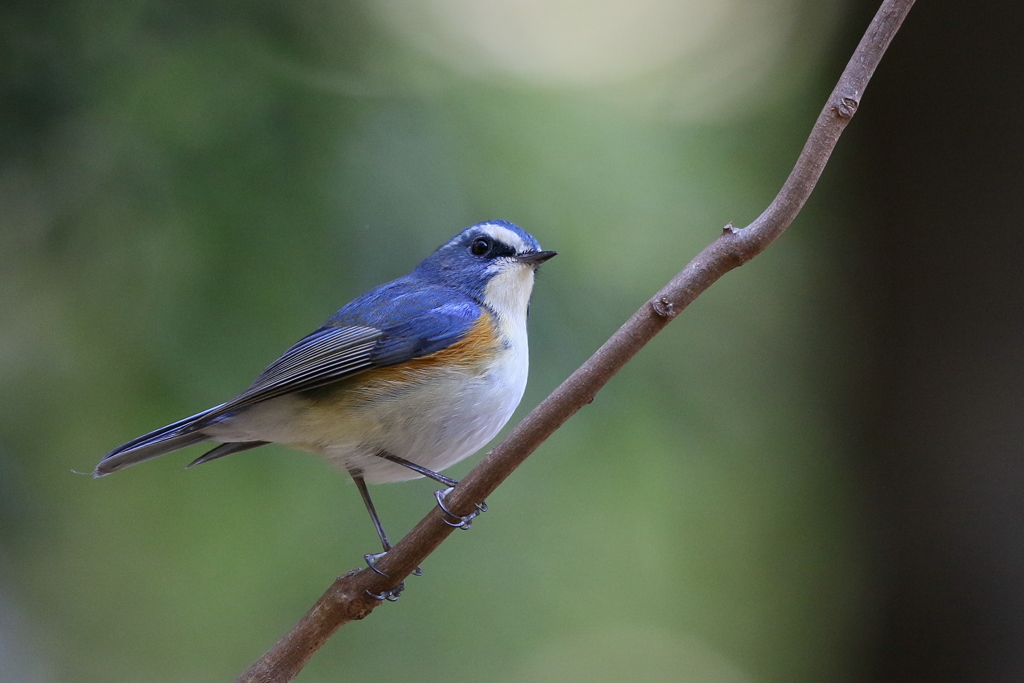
470 353
475 349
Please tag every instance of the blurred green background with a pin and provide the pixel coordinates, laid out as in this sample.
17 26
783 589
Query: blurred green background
186 189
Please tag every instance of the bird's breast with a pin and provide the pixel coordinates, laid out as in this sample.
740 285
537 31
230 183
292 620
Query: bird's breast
434 410
489 364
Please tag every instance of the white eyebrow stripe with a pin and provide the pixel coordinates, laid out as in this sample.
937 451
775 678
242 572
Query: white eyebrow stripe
503 234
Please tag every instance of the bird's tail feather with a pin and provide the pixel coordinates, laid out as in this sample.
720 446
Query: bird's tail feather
123 457
156 443
226 449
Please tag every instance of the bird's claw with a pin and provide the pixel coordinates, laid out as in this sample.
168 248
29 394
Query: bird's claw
391 594
462 522
371 562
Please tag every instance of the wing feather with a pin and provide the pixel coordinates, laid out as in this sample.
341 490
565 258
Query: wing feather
390 325
328 355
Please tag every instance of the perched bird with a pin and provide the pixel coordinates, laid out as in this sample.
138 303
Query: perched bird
406 380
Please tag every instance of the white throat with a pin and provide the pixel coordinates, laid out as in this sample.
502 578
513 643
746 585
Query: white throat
508 294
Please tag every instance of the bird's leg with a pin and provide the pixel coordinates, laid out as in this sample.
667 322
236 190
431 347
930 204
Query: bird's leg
440 478
357 477
462 522
371 558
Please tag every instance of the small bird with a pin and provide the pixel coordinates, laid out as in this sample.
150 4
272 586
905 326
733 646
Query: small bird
404 381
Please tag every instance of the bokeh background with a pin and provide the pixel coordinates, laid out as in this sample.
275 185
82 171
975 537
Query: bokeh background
814 474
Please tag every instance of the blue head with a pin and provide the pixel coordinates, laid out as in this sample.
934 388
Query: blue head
493 262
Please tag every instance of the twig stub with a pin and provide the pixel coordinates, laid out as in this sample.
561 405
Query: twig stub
663 307
847 107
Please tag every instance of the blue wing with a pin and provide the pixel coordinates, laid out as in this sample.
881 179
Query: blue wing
396 322
415 319
389 325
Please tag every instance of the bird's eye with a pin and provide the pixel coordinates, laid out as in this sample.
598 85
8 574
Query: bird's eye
480 246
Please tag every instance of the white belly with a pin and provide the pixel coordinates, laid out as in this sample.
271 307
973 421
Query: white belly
435 422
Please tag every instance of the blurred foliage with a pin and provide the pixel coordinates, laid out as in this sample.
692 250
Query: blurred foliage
186 189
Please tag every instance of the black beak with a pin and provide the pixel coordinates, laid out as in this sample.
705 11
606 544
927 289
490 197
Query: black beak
535 258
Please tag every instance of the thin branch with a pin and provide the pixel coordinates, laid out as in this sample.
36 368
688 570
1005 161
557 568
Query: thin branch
349 597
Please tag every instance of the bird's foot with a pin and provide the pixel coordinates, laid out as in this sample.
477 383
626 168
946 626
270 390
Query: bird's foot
460 521
371 562
391 595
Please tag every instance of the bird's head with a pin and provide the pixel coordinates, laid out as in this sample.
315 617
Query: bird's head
494 262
